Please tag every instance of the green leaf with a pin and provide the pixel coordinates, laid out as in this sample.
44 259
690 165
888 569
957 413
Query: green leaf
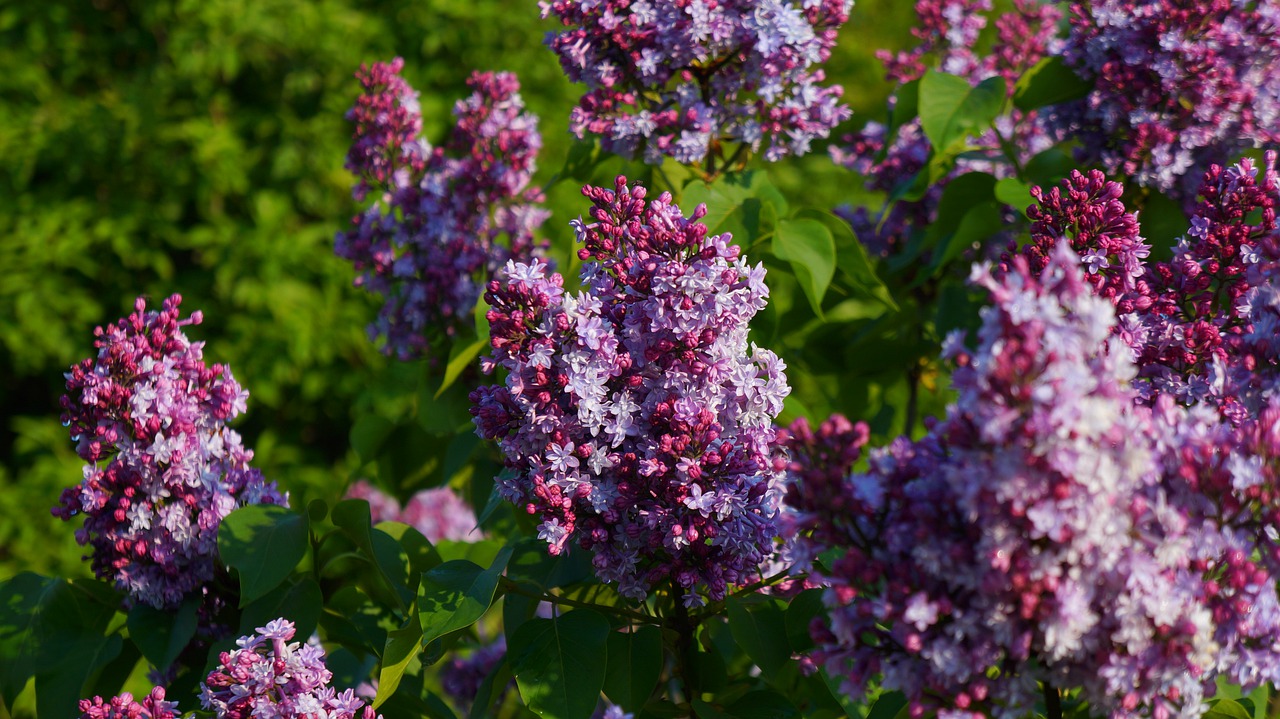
300 603
634 666
352 516
852 260
951 109
967 213
1228 709
403 645
888 705
368 435
163 634
58 690
422 556
808 245
744 205
1049 82
762 704
494 684
1015 193
263 543
461 356
803 608
761 630
558 663
456 594
979 223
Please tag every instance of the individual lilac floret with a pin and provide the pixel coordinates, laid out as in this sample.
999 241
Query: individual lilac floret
431 237
1026 540
949 33
150 417
1087 212
439 513
636 419
152 706
1178 85
269 677
677 79
1192 325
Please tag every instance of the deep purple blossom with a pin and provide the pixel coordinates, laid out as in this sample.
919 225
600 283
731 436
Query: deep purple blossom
152 706
150 417
269 677
1178 85
636 419
431 237
439 513
676 79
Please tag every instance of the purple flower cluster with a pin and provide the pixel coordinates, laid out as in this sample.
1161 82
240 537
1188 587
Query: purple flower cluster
150 417
152 706
461 676
439 513
430 239
1087 212
949 33
1052 531
676 79
635 419
1192 319
269 677
1178 85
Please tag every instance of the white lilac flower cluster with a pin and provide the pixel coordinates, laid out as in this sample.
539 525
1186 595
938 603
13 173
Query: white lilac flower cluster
164 469
675 79
636 419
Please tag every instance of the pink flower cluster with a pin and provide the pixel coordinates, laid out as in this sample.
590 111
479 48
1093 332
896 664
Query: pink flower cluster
439 513
1178 85
948 34
269 677
636 419
430 239
152 706
676 79
150 417
1052 530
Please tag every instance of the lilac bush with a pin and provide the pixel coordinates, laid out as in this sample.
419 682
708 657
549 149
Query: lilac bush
151 419
1177 85
430 239
636 419
680 79
268 677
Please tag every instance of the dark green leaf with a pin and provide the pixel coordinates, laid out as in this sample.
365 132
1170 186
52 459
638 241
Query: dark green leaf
58 690
950 108
263 543
905 109
1049 82
762 704
163 634
461 356
634 665
352 516
887 706
558 663
979 223
368 434
493 686
800 613
761 630
808 245
853 261
1015 193
422 556
402 646
456 594
300 603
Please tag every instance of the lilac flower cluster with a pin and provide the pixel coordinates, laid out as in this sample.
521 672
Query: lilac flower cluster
1191 323
461 676
430 238
635 418
1088 213
439 513
152 706
677 79
1052 528
150 417
269 677
1177 85
948 34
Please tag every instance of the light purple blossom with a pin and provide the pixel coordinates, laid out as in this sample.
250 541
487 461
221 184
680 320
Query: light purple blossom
648 438
150 416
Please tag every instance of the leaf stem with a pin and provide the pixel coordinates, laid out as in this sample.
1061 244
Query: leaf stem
513 587
1052 701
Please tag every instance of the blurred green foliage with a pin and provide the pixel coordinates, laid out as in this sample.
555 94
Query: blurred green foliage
196 146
